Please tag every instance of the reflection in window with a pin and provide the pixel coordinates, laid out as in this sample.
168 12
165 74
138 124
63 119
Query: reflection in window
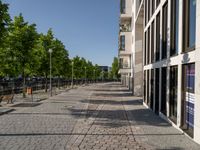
174 27
122 42
189 29
192 22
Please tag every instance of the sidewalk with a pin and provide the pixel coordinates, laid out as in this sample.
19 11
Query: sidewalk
94 117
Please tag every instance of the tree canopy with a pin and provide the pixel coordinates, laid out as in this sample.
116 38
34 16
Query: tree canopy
25 53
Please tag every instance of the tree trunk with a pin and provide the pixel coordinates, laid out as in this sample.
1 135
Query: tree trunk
59 82
24 84
46 83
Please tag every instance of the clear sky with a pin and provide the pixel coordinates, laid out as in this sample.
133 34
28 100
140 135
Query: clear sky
88 28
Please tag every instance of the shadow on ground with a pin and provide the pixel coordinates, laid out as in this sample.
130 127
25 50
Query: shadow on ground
117 117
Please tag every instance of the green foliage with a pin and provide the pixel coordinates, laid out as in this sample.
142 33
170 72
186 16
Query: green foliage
24 52
21 43
4 21
115 69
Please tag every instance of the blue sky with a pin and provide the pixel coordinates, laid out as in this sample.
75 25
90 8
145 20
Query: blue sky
88 28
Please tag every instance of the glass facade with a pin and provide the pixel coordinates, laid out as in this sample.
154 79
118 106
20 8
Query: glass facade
189 22
163 90
173 93
188 100
152 42
164 31
174 27
157 88
123 6
158 37
122 42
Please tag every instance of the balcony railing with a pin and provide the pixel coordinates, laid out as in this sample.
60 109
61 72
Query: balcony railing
125 66
125 28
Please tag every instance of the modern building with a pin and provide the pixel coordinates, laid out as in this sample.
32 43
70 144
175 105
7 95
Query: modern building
167 33
125 42
131 47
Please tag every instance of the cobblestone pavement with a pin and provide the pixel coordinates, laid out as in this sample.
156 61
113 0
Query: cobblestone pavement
102 116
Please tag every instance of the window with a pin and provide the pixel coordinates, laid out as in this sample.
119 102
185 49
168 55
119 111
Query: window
122 42
157 81
149 12
188 100
158 37
174 27
157 3
146 13
164 32
145 86
148 87
123 6
121 63
145 48
152 89
152 6
173 93
152 42
189 29
148 48
163 90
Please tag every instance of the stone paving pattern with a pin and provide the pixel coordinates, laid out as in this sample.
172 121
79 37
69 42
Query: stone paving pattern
101 116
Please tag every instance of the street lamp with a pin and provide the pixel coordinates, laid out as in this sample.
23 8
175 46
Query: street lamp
72 74
50 52
85 74
94 75
102 74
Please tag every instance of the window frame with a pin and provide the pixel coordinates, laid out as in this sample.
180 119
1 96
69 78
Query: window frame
164 30
186 19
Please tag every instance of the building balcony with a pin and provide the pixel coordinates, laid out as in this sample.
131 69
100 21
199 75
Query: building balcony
125 26
126 9
125 43
124 53
125 71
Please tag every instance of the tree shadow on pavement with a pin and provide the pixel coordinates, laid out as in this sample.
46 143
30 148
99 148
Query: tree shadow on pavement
112 94
138 117
113 102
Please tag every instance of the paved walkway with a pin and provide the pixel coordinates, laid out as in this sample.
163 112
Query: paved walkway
102 116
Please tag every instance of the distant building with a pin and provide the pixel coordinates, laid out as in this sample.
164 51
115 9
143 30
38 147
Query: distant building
105 68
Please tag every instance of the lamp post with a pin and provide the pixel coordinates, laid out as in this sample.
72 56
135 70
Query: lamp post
102 74
72 74
50 52
94 75
85 74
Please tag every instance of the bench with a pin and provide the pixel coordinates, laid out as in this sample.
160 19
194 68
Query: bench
8 98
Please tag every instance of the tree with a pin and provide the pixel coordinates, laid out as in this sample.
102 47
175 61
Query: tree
4 21
22 40
115 68
60 58
45 43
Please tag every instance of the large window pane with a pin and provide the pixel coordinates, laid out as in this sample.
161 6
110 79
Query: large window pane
148 48
188 101
122 42
152 42
157 81
163 90
174 27
158 37
189 30
173 93
164 31
192 23
123 6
